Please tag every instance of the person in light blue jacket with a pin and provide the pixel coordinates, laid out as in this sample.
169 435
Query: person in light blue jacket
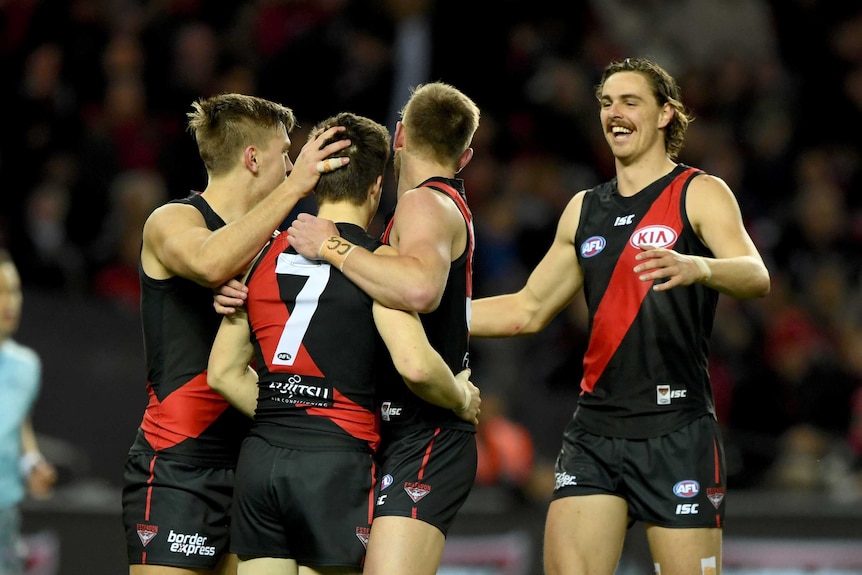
22 466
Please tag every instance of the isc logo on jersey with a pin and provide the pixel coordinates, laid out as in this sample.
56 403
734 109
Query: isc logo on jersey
388 411
664 394
658 236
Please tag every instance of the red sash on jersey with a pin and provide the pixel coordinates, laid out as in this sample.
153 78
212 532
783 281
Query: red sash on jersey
167 423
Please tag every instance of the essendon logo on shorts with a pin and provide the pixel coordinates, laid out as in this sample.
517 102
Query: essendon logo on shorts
362 534
716 495
417 491
147 532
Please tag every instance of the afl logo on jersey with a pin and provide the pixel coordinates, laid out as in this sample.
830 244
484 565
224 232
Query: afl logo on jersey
658 236
592 246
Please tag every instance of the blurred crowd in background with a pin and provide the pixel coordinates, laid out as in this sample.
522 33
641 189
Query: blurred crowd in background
96 94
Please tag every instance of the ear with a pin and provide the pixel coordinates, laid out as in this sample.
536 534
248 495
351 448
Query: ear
377 188
665 116
250 159
398 140
465 159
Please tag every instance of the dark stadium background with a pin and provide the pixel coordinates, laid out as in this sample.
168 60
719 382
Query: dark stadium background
96 92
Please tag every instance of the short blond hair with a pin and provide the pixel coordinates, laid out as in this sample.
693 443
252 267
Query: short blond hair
440 120
226 124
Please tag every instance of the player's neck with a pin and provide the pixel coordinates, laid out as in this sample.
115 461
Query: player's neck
344 212
635 176
229 197
416 171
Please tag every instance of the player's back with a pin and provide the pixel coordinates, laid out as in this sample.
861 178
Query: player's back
315 344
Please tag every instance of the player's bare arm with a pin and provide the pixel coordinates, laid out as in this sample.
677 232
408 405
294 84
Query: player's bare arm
177 241
423 369
228 371
737 269
429 232
551 286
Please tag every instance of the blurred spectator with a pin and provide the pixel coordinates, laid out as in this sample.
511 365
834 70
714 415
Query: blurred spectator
44 123
505 450
134 195
40 238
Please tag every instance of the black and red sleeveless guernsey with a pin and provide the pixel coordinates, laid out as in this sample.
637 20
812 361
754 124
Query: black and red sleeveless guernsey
185 420
315 343
447 327
645 368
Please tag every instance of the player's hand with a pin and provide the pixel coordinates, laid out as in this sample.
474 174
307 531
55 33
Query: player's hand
40 482
229 297
664 264
314 160
471 412
307 234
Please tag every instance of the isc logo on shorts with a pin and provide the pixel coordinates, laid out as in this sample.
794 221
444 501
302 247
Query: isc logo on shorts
686 509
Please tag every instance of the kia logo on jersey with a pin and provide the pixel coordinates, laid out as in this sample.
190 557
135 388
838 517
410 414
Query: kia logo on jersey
658 236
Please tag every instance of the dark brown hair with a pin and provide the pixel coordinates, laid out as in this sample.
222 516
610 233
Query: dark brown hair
369 150
665 90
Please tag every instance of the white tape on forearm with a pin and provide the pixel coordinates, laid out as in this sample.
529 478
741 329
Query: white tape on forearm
344 259
704 268
468 398
28 461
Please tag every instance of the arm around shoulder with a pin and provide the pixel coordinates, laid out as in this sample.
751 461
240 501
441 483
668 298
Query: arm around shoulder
429 232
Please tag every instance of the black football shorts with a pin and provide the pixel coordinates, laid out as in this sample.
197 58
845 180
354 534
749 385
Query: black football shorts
310 505
675 480
427 474
174 513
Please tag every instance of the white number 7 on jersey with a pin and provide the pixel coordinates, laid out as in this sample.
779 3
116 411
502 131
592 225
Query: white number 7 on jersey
306 303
